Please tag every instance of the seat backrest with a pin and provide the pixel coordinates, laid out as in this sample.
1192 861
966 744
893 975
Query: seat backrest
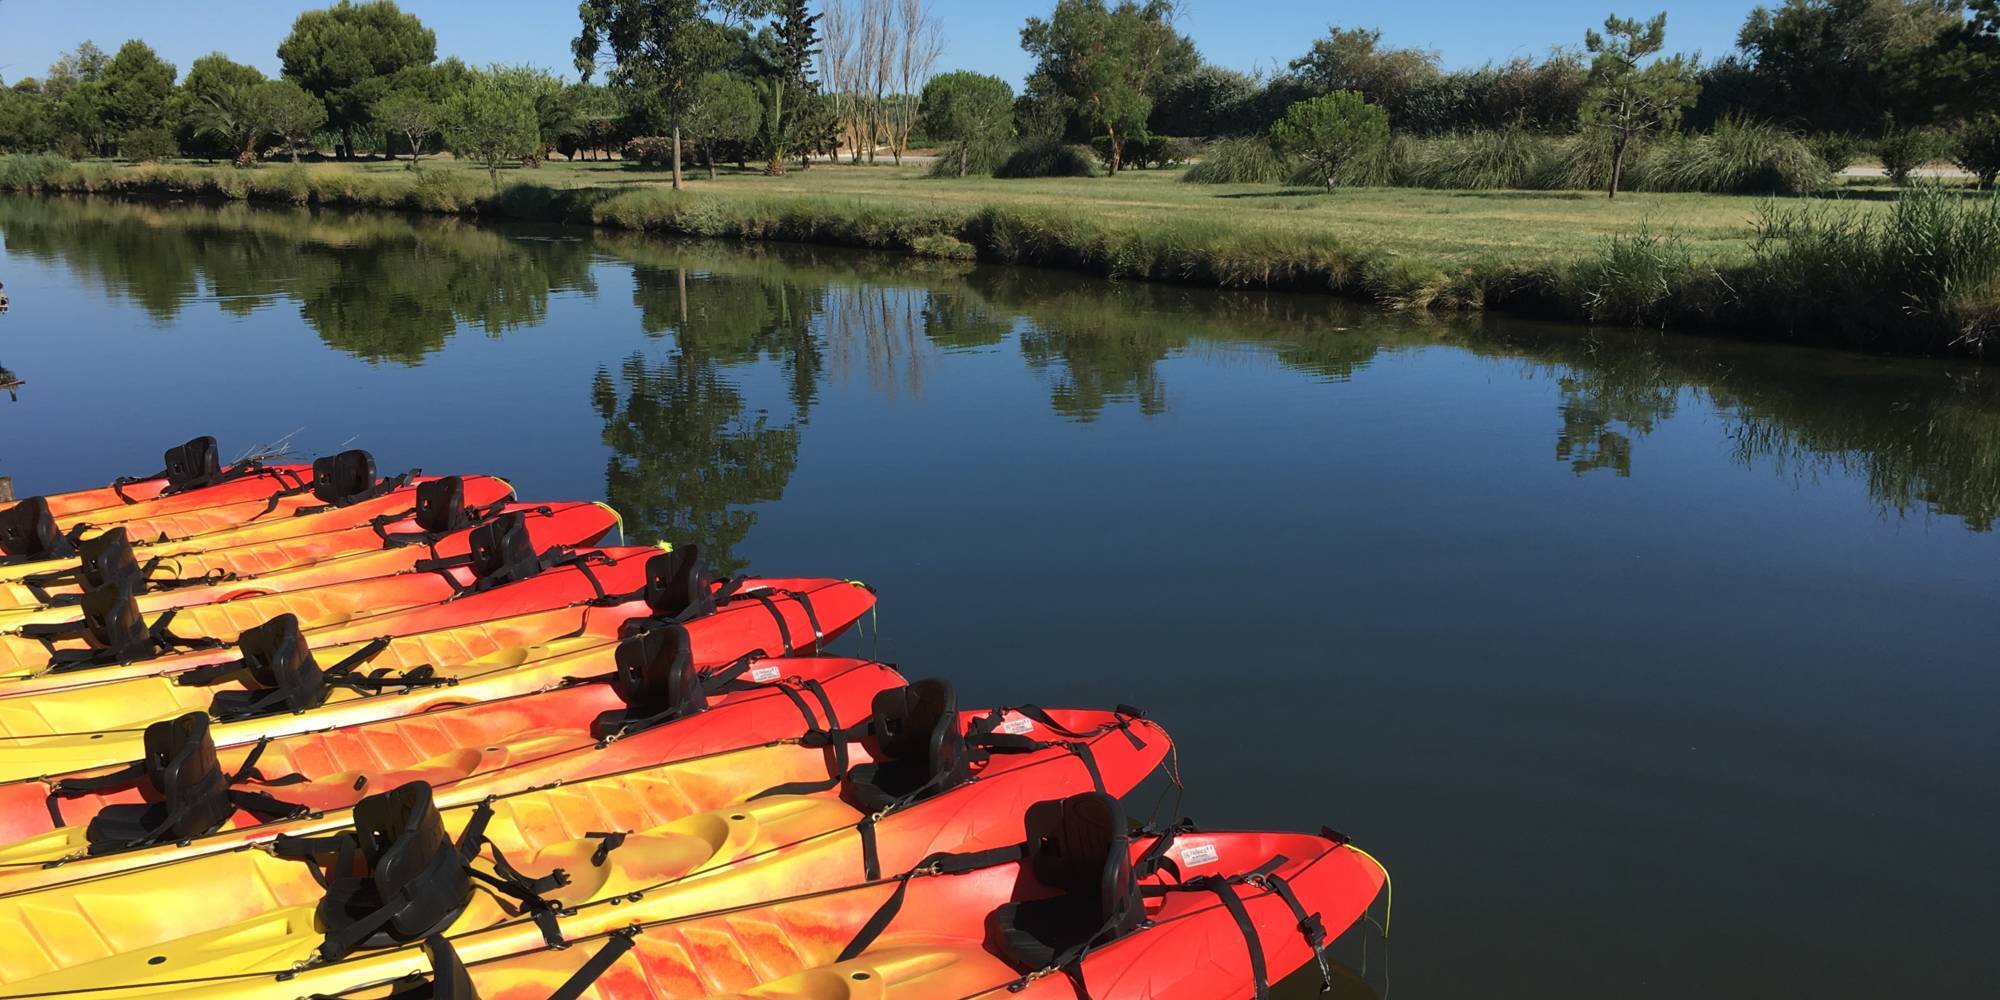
28 531
107 560
918 724
678 584
503 551
181 764
1080 847
111 621
193 465
278 658
340 478
656 673
449 978
411 860
441 505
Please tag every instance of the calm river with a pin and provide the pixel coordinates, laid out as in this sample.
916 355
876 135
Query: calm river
1651 667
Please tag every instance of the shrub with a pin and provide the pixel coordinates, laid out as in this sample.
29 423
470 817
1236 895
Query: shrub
1903 151
1978 150
1737 157
1248 160
1582 162
149 143
1146 152
1838 150
1634 278
1047 159
1328 131
980 160
32 171
942 246
1476 161
650 150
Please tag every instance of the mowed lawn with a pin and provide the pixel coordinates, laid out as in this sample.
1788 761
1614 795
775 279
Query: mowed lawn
1512 226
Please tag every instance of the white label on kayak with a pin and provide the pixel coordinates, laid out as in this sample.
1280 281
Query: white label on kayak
763 675
1017 727
1195 855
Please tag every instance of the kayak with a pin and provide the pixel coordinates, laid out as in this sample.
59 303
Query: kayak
993 927
284 686
195 465
604 853
273 492
106 627
418 515
550 525
307 535
185 798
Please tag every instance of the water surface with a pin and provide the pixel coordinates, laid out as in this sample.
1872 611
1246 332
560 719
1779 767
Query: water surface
1651 666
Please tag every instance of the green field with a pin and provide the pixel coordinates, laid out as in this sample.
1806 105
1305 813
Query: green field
1868 267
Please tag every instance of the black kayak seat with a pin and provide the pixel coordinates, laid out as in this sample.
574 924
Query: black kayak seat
192 465
187 789
340 478
917 745
441 505
276 660
656 677
28 532
678 585
410 868
107 560
1078 847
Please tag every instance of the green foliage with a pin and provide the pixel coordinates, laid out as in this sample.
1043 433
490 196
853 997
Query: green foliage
1838 150
792 94
1626 100
138 86
346 55
1979 149
1211 101
25 123
1634 280
554 104
658 47
1925 277
1904 151
290 113
1478 161
943 247
1354 59
1326 132
412 116
725 109
1107 62
649 150
1047 159
1842 66
146 143
1738 157
972 113
213 80
491 123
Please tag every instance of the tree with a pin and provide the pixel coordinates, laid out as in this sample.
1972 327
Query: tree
1328 131
491 123
292 114
84 64
1842 65
75 92
25 125
1625 100
232 113
918 42
138 87
345 55
660 47
798 43
412 115
212 80
1354 59
1209 101
725 108
555 104
970 111
1108 62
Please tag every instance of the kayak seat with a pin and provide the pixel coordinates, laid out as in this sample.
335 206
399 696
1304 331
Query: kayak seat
656 679
917 745
107 560
678 586
192 791
441 506
342 477
193 465
412 881
112 622
28 532
279 673
1078 847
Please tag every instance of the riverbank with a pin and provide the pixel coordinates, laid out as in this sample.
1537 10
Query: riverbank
1917 275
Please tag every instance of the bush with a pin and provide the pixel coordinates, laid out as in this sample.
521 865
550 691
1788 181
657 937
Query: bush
943 247
1978 150
1047 159
149 143
1239 161
1147 152
1633 279
1838 150
1738 157
32 171
1903 151
650 150
980 161
1479 161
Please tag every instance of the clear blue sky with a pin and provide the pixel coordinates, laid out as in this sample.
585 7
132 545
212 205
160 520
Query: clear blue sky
979 34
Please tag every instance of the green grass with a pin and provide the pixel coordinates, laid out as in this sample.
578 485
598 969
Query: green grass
1644 258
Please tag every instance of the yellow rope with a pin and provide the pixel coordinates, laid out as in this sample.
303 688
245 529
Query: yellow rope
1388 888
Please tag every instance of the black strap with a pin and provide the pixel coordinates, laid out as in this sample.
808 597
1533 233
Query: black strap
1224 888
937 864
614 949
129 776
1311 927
159 638
784 630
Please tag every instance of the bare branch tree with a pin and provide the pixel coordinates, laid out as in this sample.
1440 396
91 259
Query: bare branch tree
920 41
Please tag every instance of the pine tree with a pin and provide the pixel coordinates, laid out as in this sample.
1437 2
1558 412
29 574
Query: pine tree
798 43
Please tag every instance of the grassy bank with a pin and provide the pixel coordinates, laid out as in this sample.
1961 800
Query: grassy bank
1921 275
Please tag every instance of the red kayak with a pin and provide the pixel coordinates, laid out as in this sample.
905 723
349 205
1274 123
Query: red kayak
112 563
276 543
415 516
1077 908
186 798
112 626
186 468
